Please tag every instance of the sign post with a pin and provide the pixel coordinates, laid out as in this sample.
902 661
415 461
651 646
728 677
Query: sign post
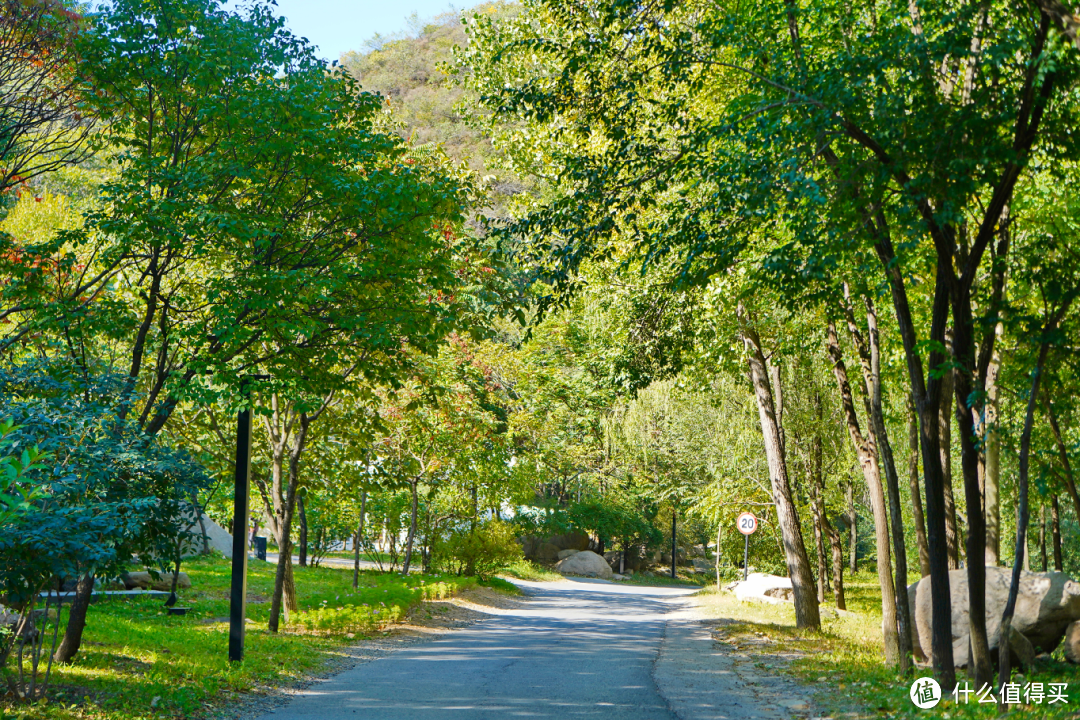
747 524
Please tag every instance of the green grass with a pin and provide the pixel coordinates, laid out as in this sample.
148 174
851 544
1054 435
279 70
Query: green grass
528 570
658 578
133 652
845 662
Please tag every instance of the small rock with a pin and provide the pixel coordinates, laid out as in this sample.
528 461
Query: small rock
795 704
155 701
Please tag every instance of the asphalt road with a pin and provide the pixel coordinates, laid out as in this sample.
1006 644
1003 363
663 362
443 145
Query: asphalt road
577 649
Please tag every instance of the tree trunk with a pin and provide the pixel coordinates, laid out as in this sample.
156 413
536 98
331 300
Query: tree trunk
992 461
817 486
1055 519
412 528
868 462
303 559
892 484
1004 659
967 385
838 566
798 562
1042 538
359 536
1063 456
819 543
916 495
945 449
926 392
69 645
853 525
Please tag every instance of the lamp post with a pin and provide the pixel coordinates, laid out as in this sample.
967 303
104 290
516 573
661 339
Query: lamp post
241 521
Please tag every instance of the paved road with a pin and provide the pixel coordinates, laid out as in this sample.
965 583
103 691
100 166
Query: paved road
577 649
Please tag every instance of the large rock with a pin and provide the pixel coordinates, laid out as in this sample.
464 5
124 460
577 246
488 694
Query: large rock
563 554
216 537
570 541
585 563
703 566
547 552
144 581
1047 603
1072 642
761 587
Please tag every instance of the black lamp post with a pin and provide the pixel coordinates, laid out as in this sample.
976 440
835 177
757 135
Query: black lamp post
241 521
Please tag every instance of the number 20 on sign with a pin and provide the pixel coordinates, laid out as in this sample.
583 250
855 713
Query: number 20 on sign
746 523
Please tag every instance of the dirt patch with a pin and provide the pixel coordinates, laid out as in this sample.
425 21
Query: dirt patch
423 623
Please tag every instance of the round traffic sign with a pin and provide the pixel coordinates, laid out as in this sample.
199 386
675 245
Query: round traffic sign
746 523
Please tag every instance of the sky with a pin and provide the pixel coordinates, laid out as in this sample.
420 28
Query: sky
336 26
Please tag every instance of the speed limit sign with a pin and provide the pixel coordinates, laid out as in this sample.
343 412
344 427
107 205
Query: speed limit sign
746 523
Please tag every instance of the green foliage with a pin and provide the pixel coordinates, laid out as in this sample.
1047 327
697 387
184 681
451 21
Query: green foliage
489 547
528 570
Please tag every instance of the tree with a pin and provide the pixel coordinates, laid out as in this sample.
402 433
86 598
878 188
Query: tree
900 150
41 126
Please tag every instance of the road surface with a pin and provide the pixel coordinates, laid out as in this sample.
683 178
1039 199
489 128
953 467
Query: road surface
578 648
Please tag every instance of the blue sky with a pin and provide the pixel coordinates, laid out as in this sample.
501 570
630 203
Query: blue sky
336 26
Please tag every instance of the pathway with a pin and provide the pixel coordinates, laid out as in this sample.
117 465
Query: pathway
581 648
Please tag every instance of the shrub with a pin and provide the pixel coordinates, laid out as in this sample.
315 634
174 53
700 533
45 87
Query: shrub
482 551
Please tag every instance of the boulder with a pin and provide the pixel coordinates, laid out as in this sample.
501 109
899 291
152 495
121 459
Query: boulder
144 581
612 558
547 553
215 538
1072 642
585 563
703 566
1047 603
761 587
529 545
563 554
570 541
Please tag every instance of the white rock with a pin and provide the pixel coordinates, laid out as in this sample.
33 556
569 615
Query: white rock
761 587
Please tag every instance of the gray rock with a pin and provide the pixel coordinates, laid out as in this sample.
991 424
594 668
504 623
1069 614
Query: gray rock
547 552
703 566
570 541
144 581
1046 605
585 563
563 554
1072 642
217 538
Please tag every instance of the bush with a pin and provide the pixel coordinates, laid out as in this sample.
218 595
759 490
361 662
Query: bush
482 551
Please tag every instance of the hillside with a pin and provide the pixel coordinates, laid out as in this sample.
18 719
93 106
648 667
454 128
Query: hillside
407 71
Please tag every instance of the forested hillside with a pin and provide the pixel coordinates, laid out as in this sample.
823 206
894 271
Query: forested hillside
410 71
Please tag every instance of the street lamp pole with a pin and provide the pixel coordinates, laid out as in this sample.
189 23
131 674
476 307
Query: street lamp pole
241 517
241 522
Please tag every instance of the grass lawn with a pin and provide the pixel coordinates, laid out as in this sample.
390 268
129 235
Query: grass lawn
844 662
137 662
